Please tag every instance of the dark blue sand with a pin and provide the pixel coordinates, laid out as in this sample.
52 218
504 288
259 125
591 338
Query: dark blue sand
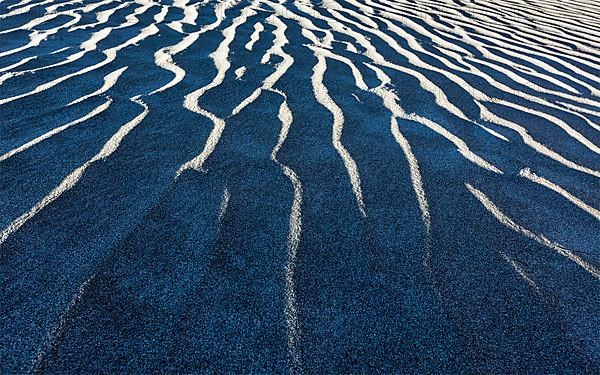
136 269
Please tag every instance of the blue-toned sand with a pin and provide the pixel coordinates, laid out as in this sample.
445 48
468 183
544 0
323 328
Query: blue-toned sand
338 186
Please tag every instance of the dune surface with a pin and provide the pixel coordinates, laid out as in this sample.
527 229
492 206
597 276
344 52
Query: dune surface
332 186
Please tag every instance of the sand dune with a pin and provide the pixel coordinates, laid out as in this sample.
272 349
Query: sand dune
400 169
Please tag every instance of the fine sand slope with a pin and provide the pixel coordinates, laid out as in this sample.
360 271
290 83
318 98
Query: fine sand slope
338 186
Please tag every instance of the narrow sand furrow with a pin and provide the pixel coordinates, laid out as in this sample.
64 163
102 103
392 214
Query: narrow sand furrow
18 63
164 56
552 120
541 239
524 52
482 16
37 37
276 49
110 53
102 17
500 41
86 47
322 95
487 115
528 174
109 81
372 53
53 8
133 18
32 23
221 61
415 60
305 23
293 242
23 9
521 272
71 180
96 111
486 54
57 331
441 99
579 110
390 101
551 26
